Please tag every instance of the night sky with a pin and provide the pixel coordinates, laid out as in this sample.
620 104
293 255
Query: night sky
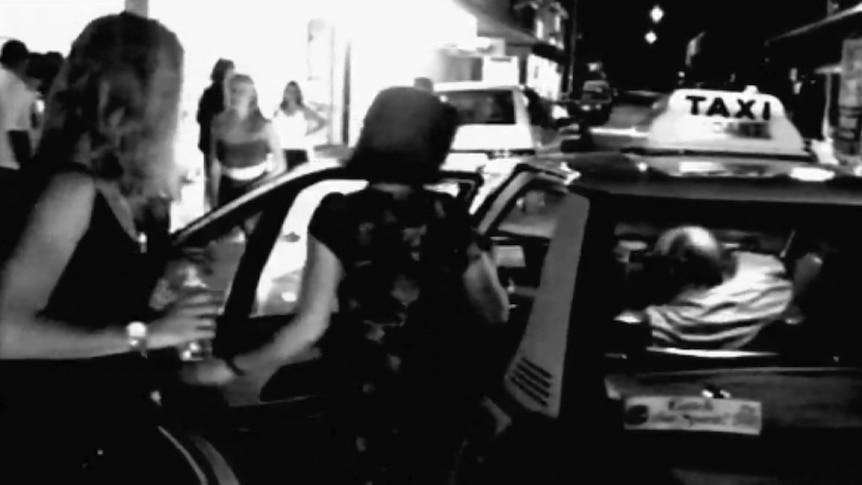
613 32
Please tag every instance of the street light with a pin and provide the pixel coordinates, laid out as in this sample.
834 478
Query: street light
651 37
656 14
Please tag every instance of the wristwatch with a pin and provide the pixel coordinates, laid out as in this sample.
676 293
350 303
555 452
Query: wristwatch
136 333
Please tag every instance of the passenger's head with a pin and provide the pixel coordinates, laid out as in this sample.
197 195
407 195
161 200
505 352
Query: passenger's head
405 138
114 105
222 71
14 55
692 257
292 95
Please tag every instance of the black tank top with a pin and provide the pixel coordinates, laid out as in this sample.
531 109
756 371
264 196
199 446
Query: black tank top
105 284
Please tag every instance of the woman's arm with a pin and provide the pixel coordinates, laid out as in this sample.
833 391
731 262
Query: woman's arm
213 177
317 121
275 148
59 221
485 292
317 298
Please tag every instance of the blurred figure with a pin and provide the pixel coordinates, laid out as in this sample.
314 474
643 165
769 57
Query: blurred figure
245 147
17 102
77 386
424 84
712 298
41 71
295 123
213 102
415 285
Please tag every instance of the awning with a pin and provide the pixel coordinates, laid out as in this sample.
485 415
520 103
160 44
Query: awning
819 43
494 25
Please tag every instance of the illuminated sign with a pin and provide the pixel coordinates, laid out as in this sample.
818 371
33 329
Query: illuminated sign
678 413
747 108
700 119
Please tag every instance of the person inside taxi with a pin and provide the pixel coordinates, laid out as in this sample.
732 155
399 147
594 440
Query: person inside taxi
710 297
412 278
75 326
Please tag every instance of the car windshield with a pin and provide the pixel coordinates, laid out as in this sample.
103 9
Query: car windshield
483 107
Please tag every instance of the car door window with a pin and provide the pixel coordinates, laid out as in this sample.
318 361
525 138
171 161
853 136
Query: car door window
214 259
281 278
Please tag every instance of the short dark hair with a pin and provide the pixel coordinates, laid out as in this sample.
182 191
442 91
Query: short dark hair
220 69
14 52
405 138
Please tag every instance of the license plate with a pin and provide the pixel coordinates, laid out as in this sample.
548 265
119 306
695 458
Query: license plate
677 413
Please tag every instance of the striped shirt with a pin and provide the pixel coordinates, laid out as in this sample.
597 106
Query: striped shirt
727 316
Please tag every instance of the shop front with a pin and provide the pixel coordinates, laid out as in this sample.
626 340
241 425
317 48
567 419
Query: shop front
823 61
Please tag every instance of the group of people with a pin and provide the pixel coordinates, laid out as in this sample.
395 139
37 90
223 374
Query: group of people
24 81
411 276
241 146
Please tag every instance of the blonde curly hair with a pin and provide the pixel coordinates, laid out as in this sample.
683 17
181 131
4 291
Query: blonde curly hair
114 106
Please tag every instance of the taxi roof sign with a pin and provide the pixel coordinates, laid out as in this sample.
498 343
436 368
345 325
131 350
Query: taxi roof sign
728 121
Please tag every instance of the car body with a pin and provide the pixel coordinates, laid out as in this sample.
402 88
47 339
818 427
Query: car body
596 101
504 120
586 389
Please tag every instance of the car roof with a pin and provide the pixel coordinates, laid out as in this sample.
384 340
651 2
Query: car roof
473 86
625 176
315 174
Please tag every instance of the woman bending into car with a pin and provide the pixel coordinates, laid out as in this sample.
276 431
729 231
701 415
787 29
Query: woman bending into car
76 399
412 278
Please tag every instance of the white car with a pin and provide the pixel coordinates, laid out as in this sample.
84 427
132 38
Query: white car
503 121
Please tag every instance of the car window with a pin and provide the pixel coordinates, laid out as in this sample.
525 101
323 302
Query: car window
280 281
522 238
483 107
534 213
213 264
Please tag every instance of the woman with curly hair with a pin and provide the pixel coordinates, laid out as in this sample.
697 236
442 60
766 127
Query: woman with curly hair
75 328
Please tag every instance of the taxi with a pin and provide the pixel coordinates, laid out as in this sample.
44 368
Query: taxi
584 386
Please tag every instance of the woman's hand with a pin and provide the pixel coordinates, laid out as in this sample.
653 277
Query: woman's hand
191 318
213 372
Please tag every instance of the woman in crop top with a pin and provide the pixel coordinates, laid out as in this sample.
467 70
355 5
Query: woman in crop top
246 148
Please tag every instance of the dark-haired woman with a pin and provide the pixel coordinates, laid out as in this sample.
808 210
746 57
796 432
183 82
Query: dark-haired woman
213 102
75 328
295 123
245 146
413 282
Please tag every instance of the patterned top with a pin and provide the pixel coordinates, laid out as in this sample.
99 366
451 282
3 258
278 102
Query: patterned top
404 257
